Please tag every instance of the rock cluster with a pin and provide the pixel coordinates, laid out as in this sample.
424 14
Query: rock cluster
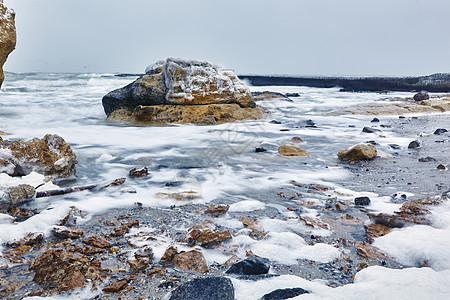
50 155
7 36
182 91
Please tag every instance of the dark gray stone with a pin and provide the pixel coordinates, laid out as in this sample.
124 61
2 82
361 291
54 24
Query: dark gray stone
284 294
394 146
375 120
210 288
440 131
260 149
426 159
139 92
414 144
292 95
422 95
370 130
362 201
250 266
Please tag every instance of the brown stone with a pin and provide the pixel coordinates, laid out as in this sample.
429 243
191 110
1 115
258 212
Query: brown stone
92 250
359 152
59 268
116 286
72 216
191 260
16 195
370 252
97 241
206 233
314 222
217 210
139 264
413 211
67 232
50 155
375 230
137 173
252 224
183 114
7 36
291 150
169 254
232 260
297 139
30 239
124 228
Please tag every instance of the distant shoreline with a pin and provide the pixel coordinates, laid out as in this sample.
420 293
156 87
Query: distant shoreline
436 83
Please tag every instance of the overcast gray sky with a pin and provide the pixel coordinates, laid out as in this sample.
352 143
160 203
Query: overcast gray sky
297 37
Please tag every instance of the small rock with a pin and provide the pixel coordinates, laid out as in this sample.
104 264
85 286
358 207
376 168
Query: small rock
414 145
217 210
426 159
30 239
441 167
72 216
394 146
15 196
116 286
139 264
422 95
250 266
124 228
292 95
440 131
260 149
375 230
191 260
97 241
275 122
375 120
144 252
310 123
169 254
368 251
137 173
291 150
297 139
210 288
369 130
362 201
284 294
114 249
67 232
206 233
358 152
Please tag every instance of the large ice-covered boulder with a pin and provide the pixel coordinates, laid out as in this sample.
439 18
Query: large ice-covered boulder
7 36
168 85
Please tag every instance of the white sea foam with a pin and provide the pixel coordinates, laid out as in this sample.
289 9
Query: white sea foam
219 162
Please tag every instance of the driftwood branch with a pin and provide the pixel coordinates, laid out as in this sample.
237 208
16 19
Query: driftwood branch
69 190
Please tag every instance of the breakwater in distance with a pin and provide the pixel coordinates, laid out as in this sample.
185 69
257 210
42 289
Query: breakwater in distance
439 83
436 83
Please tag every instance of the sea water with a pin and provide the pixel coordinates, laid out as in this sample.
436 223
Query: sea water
217 163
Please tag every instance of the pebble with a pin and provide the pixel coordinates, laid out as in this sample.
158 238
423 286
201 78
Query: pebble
362 201
250 266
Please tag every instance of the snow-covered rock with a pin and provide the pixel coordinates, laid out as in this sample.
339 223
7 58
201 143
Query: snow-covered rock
50 155
7 36
174 83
